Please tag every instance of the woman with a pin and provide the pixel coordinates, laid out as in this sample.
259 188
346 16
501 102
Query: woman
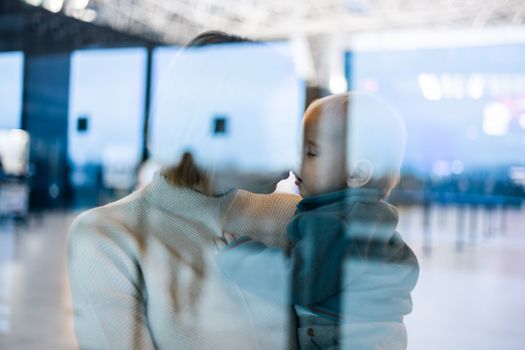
141 269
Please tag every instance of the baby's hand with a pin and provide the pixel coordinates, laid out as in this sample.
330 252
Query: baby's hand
222 242
229 237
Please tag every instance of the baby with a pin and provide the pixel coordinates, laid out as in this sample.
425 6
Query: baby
347 272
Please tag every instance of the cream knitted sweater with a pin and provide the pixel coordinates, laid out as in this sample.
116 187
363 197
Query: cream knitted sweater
142 272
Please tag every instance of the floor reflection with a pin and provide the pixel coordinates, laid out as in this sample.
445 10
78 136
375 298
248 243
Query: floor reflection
469 295
35 307
7 239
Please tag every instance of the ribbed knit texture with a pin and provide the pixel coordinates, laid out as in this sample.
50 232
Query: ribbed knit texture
142 272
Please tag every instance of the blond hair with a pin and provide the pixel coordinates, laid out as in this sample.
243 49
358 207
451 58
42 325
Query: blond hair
188 174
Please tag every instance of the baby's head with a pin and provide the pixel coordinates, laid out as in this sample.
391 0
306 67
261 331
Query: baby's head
350 140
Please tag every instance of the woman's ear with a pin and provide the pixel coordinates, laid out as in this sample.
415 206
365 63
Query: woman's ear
360 174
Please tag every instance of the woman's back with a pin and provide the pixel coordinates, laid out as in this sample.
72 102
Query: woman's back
142 276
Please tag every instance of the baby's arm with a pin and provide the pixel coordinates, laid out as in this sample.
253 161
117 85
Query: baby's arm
257 268
309 273
317 258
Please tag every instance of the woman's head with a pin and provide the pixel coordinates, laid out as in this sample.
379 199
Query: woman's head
233 107
187 173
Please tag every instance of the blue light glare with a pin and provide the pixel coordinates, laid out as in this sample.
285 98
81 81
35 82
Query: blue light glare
11 82
107 87
252 87
445 96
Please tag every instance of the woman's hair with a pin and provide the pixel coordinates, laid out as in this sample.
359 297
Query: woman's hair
214 37
187 173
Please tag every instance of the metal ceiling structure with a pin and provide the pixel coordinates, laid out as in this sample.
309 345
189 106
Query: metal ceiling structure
175 21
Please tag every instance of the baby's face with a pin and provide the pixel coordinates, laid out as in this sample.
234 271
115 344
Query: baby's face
323 165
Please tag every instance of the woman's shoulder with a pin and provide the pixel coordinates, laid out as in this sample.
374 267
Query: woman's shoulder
113 218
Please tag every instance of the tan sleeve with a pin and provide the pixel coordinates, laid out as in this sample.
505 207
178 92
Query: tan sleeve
106 286
263 217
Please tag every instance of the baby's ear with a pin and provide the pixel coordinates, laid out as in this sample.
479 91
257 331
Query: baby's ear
360 173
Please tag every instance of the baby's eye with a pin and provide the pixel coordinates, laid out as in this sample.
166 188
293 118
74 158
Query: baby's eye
311 153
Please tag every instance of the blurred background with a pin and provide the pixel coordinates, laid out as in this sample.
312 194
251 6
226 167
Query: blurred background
77 93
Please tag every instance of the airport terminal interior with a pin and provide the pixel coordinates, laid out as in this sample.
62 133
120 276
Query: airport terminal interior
99 98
